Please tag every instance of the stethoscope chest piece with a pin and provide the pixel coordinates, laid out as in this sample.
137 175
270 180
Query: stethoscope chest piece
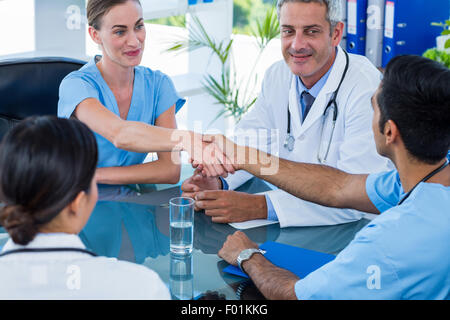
289 142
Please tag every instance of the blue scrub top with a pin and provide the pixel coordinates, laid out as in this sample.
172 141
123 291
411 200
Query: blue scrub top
153 94
402 254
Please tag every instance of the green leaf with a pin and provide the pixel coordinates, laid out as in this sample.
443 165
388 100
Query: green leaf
447 44
445 32
267 29
235 98
439 56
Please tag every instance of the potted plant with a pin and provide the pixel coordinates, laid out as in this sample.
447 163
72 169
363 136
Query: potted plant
441 52
443 41
236 96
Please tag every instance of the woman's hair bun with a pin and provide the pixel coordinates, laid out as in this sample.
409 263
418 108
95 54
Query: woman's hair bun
41 174
19 223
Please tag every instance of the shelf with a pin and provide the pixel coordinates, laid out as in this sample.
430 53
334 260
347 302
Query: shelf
154 9
189 84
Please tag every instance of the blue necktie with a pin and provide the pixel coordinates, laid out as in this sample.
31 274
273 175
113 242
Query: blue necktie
308 101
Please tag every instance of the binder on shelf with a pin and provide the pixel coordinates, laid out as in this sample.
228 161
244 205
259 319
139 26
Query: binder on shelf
407 26
343 4
191 2
356 26
375 31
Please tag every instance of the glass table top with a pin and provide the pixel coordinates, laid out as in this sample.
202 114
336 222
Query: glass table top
134 226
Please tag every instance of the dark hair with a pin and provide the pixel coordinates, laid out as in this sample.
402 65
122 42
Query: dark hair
45 162
96 9
415 94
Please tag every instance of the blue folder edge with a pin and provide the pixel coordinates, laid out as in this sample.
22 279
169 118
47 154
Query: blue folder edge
297 260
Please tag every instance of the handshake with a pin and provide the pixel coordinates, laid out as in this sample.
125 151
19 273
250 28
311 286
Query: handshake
215 156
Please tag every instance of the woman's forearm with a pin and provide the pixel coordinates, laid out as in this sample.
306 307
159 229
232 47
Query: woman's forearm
132 136
159 171
140 137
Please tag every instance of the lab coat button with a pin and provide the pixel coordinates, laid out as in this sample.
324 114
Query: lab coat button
302 137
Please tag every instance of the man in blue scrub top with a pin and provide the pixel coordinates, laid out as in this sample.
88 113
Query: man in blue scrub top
404 252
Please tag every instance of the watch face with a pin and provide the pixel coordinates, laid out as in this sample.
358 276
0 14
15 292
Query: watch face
246 254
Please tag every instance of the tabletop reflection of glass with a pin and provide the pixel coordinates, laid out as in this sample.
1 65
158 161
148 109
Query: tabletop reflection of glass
134 226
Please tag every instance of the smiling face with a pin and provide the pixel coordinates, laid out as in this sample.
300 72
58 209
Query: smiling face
308 46
122 34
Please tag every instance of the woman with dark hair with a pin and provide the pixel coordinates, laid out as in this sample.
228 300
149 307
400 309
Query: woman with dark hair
47 186
130 108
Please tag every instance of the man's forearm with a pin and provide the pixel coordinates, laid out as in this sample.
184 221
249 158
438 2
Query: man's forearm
312 182
273 282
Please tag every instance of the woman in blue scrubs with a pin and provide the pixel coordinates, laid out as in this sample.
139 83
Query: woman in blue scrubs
130 108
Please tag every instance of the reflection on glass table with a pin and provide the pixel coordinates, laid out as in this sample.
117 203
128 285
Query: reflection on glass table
127 231
181 277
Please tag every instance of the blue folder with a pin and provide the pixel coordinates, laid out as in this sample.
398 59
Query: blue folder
356 26
407 26
297 260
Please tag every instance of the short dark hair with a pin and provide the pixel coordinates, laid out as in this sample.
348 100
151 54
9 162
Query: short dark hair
96 9
415 94
45 162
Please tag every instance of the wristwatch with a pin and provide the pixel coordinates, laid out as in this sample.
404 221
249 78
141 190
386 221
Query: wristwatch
247 254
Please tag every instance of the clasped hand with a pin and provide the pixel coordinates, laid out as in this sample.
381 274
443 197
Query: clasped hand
212 155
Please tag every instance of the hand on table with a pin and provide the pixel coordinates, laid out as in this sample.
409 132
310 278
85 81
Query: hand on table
225 206
197 183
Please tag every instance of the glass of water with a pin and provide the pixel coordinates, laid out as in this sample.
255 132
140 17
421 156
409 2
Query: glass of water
181 225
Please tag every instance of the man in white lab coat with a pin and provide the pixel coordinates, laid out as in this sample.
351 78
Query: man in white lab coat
292 107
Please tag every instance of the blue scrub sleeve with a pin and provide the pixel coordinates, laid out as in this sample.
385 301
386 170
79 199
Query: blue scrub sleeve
384 189
361 271
167 97
72 92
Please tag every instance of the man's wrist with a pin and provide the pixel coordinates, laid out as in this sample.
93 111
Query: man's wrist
241 157
259 206
247 265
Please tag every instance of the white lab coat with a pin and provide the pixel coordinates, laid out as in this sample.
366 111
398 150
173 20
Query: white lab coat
352 148
73 275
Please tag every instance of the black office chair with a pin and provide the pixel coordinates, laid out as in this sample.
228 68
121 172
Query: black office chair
30 86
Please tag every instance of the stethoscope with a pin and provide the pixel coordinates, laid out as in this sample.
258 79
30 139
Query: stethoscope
38 250
431 174
290 140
